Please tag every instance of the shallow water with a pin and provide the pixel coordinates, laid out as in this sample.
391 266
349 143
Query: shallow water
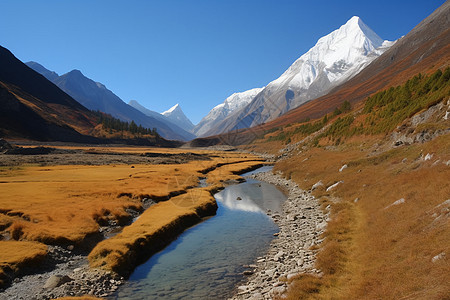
206 261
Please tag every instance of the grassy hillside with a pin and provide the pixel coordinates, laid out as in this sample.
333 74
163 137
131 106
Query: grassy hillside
388 235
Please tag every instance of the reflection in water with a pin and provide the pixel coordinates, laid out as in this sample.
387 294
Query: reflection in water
252 196
206 261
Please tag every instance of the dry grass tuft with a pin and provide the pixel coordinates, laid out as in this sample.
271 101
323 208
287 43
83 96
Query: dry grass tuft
15 255
304 286
16 230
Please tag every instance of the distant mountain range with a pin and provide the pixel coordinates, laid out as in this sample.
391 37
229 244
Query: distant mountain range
96 96
335 58
349 64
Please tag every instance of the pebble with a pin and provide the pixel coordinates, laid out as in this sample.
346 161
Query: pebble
70 276
301 224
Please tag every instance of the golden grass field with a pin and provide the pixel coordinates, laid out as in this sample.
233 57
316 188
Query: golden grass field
66 204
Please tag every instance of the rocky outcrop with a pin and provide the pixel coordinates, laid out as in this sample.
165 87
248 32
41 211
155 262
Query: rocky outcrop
301 224
424 126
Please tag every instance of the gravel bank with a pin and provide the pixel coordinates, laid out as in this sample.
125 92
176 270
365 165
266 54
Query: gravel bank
301 224
64 273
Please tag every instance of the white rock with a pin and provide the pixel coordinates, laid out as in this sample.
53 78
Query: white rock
343 168
334 185
278 283
398 202
438 257
428 156
317 184
278 255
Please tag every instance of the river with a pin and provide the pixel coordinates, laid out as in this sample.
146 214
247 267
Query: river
207 261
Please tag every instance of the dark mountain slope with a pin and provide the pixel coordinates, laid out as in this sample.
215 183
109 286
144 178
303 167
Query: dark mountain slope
14 72
95 96
31 107
23 116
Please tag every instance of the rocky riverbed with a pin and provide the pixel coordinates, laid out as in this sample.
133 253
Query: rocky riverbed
64 273
301 224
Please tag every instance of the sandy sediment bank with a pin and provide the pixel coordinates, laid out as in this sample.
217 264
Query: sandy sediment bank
301 224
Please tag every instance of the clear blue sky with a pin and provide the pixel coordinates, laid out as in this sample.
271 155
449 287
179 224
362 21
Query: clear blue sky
195 52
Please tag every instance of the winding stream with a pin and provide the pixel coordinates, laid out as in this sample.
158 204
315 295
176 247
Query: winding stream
206 261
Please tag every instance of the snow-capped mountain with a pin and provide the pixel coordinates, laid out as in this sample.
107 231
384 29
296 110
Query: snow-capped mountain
176 115
334 59
232 104
186 132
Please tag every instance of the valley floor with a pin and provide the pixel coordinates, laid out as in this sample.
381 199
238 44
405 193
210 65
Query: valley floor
386 205
58 203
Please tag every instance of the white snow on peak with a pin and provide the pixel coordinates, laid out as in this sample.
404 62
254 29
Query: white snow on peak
334 59
231 104
238 100
170 110
340 55
176 115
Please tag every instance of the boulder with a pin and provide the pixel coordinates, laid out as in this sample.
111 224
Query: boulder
56 280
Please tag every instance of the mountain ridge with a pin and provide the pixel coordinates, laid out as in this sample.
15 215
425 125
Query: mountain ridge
334 59
423 49
96 96
231 104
